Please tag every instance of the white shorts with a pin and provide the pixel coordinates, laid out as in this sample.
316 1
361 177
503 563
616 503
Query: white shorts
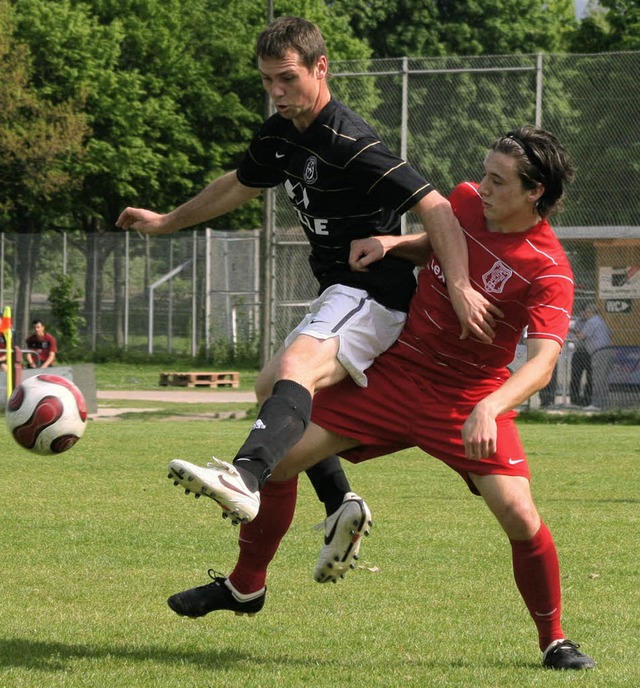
364 327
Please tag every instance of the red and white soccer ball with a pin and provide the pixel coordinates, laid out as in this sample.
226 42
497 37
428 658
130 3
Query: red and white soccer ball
46 414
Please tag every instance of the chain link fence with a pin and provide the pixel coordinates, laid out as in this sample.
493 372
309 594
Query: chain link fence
442 113
192 293
197 290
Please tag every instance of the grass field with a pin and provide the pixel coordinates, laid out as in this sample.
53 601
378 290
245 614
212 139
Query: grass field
145 376
94 541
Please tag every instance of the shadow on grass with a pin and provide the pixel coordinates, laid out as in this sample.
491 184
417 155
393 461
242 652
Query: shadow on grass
48 656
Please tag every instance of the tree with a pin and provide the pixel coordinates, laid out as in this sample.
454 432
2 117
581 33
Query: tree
171 95
40 140
65 311
613 25
398 28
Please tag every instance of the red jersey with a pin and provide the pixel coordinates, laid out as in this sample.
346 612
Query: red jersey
526 274
42 346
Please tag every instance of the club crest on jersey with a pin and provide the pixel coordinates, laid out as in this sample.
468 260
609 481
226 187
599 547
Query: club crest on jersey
495 279
311 170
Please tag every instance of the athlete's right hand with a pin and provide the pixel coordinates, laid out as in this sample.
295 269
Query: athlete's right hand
145 221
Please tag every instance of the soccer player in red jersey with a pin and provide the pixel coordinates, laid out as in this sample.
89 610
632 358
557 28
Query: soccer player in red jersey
454 398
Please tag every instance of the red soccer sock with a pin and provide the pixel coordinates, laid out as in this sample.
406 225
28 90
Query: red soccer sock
260 539
537 573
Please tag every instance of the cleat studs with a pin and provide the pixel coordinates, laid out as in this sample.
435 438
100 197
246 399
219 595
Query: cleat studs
225 514
175 482
197 496
187 492
330 564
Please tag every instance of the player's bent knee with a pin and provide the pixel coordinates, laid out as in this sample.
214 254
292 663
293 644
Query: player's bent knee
520 521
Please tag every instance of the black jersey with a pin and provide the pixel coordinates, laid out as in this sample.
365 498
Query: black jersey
344 184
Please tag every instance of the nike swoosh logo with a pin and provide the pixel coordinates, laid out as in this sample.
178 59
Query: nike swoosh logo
553 611
279 155
328 538
332 532
228 485
513 462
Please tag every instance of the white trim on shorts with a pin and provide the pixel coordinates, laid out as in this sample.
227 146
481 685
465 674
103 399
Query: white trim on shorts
364 327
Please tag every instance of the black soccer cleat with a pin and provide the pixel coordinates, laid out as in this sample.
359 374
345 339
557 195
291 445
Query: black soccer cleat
213 597
565 655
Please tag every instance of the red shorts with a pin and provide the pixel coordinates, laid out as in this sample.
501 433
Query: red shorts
406 406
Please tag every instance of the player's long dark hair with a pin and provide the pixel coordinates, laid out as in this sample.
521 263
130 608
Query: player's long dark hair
291 33
541 160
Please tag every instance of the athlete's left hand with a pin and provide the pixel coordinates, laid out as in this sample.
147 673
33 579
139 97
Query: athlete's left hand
480 434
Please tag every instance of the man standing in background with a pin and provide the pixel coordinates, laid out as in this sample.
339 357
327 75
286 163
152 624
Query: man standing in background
594 336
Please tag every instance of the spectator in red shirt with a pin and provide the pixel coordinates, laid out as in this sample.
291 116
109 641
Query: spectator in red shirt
44 344
3 353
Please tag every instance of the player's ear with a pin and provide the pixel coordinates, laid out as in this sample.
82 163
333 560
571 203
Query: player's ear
536 194
322 67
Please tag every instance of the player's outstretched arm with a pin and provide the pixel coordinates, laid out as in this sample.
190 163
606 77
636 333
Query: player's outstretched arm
413 247
224 194
475 313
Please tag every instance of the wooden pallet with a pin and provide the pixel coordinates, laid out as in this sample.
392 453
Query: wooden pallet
224 379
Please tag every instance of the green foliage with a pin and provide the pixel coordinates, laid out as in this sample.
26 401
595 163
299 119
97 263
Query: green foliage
222 355
65 309
397 28
611 25
41 137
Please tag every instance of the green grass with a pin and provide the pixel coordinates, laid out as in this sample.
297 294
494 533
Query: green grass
93 541
146 376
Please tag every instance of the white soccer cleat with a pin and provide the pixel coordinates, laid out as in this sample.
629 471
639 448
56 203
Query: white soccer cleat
220 481
343 533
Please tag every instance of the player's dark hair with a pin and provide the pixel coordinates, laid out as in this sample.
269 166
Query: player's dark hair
541 160
291 33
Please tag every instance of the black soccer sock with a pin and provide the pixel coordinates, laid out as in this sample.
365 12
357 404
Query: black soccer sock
330 483
281 422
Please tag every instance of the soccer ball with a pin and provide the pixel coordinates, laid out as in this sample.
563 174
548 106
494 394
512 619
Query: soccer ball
46 414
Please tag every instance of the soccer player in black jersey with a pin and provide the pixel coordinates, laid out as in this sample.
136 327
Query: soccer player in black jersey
344 184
